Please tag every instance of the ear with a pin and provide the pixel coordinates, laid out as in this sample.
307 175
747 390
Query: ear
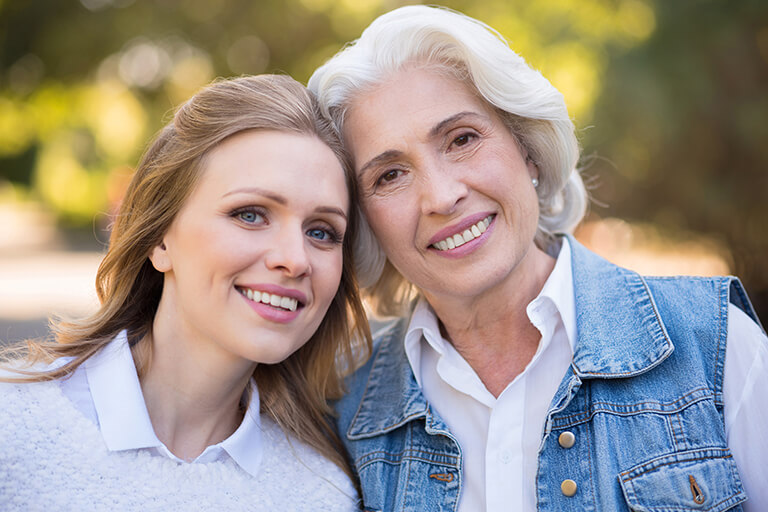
533 169
160 258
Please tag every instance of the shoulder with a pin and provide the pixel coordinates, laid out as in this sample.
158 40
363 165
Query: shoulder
297 476
388 350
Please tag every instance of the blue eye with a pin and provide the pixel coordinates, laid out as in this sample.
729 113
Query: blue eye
326 235
319 234
249 216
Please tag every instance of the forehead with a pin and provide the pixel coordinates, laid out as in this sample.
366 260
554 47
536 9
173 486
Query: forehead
299 167
410 102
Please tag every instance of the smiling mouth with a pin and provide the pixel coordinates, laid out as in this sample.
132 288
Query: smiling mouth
270 299
465 236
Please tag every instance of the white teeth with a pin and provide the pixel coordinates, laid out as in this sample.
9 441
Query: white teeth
271 299
468 235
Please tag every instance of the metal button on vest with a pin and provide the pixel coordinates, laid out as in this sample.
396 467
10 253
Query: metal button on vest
568 487
566 439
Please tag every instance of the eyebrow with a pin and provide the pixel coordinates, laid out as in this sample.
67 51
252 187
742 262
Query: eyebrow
392 154
277 198
445 122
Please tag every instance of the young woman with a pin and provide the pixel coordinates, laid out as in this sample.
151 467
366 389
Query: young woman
228 306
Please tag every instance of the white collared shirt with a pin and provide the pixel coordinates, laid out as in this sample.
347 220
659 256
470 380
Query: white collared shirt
500 437
106 390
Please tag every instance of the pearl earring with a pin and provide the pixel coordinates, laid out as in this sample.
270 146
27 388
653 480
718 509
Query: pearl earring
535 182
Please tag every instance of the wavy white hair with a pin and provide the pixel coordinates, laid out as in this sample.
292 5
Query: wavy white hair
472 52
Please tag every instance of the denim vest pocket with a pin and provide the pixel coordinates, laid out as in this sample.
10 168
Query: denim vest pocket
703 479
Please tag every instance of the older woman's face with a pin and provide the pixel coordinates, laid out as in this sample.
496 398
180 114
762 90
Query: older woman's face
443 183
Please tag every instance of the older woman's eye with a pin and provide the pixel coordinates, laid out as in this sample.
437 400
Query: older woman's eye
388 176
463 139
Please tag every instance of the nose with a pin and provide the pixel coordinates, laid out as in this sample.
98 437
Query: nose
288 253
442 190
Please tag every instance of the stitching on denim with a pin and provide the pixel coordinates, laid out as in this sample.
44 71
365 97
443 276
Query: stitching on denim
407 483
655 467
583 416
725 287
589 455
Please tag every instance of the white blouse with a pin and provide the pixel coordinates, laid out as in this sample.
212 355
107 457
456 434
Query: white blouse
500 436
106 390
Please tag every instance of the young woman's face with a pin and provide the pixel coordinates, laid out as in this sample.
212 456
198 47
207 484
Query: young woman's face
254 258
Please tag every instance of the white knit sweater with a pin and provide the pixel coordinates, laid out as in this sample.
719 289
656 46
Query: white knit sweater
53 459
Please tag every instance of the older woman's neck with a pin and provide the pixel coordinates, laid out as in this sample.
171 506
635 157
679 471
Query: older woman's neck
492 332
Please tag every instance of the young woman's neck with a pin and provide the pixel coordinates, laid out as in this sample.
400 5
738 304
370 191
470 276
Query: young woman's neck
193 397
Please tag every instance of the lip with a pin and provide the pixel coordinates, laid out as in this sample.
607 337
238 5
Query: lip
468 247
270 313
458 227
277 290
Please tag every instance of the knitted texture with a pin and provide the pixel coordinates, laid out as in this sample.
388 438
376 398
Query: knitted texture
54 459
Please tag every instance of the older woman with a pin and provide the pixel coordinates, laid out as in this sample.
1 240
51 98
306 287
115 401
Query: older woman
529 374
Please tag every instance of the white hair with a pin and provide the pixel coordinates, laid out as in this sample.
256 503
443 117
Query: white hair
473 52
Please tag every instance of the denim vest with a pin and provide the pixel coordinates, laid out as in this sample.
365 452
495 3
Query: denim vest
642 403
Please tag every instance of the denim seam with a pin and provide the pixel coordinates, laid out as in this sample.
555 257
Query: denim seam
627 478
584 416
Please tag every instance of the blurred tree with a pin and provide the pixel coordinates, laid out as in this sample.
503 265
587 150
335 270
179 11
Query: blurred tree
681 124
670 95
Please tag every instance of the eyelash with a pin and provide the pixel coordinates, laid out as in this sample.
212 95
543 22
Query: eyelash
333 236
469 136
381 180
258 212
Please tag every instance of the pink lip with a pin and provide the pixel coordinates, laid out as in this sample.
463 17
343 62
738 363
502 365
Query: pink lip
459 227
271 313
277 290
468 247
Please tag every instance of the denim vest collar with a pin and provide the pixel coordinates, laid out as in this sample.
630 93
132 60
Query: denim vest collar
619 334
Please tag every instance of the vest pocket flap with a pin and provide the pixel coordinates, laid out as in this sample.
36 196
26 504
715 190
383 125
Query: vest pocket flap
704 479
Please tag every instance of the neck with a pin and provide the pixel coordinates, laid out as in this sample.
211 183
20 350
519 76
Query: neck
193 398
492 331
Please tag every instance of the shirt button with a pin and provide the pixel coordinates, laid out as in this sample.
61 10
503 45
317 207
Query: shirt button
568 487
506 457
567 439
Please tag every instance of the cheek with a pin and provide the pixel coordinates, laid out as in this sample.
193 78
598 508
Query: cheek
327 270
389 218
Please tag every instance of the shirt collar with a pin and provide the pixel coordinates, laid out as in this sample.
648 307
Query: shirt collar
558 289
123 417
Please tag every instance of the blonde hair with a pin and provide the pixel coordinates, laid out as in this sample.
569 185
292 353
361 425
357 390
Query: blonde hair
475 54
293 392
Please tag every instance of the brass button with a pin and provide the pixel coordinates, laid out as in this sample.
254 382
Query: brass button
568 487
566 439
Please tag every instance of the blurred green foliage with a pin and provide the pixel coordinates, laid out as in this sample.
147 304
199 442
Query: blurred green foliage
670 96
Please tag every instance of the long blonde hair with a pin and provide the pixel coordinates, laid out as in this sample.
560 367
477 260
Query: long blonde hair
293 393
